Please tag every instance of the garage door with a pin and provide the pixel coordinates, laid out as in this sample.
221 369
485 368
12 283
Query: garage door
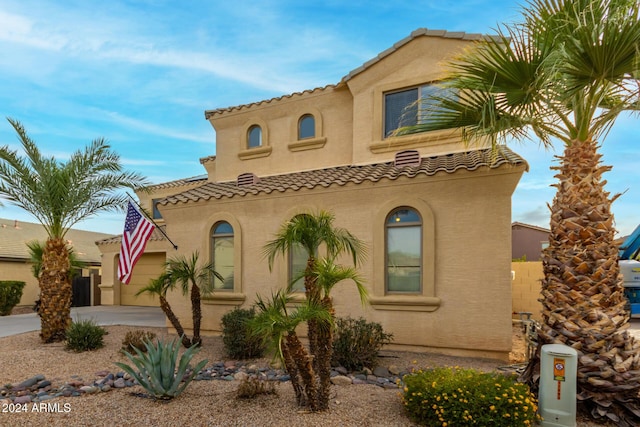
148 267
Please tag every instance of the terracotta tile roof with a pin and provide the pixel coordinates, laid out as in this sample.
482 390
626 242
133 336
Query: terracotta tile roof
356 174
415 34
14 236
210 113
195 180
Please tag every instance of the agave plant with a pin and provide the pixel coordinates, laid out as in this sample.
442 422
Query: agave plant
158 370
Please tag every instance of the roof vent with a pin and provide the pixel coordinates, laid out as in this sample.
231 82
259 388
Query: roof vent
407 158
247 179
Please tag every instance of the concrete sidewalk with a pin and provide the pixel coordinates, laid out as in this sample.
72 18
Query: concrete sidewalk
102 314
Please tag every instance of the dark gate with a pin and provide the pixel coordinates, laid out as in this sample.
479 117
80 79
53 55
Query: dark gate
81 291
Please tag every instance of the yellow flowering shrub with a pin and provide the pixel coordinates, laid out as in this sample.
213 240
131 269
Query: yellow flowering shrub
461 397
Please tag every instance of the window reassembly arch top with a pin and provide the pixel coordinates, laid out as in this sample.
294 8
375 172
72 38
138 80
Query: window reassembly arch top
307 130
254 140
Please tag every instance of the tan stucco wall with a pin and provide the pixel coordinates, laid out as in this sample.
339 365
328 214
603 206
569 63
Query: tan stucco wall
149 266
526 286
21 271
472 254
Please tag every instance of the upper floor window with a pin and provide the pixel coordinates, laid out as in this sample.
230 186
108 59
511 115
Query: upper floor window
407 107
403 247
156 211
222 253
254 136
306 127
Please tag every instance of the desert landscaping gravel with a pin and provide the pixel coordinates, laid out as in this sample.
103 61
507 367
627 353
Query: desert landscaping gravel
204 403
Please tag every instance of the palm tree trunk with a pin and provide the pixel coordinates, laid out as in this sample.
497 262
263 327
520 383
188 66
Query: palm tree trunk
294 374
166 308
197 314
323 357
55 291
312 293
583 297
304 364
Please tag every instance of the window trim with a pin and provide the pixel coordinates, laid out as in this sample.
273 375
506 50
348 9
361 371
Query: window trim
264 150
236 295
426 299
380 144
213 237
318 141
386 250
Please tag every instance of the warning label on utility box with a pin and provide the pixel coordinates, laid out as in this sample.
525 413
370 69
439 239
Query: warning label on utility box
558 369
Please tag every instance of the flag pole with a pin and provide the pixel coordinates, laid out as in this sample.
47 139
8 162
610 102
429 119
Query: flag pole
154 223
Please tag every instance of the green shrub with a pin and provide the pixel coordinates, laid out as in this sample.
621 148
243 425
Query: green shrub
455 397
251 387
357 342
85 335
135 339
158 370
239 342
10 294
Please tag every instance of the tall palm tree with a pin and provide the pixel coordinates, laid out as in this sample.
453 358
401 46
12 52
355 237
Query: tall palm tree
309 231
160 286
188 271
566 72
59 195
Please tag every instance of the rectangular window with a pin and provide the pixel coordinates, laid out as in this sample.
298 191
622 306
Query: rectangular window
404 264
407 107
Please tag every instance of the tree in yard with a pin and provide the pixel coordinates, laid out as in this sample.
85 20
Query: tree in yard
59 195
309 231
276 324
566 72
160 286
188 271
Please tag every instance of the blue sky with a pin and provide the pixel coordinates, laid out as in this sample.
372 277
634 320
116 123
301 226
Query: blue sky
142 73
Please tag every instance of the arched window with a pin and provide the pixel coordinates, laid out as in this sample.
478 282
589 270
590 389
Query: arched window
254 136
222 255
298 258
306 127
403 251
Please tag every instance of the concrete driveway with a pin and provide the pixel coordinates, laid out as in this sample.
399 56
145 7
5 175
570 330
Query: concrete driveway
102 314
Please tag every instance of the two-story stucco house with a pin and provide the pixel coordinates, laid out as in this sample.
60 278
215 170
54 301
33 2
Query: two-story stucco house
435 214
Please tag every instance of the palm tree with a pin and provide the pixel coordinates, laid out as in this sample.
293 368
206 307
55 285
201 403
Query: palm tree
36 249
277 326
566 73
326 276
187 271
309 231
160 286
59 195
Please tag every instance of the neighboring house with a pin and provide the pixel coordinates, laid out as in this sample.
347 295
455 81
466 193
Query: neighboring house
434 213
527 241
15 259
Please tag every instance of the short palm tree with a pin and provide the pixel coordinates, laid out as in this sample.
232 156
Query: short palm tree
275 323
59 195
36 249
160 286
187 271
566 73
309 231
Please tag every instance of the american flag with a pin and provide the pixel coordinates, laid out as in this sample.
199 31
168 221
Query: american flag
137 230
